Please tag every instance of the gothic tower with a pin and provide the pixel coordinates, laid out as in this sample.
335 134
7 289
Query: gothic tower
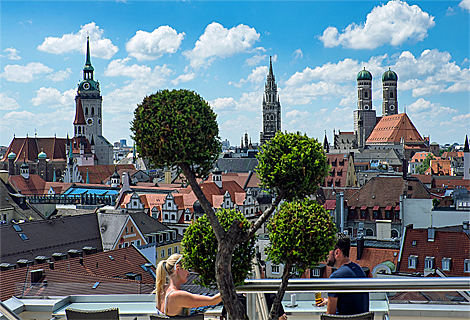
271 108
390 98
89 100
364 116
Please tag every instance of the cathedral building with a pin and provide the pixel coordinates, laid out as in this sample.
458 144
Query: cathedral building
53 158
271 108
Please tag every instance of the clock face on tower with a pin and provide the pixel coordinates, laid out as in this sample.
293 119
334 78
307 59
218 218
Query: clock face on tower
89 121
99 122
86 86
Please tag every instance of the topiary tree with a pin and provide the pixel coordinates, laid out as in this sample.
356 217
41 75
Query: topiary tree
179 128
200 248
302 234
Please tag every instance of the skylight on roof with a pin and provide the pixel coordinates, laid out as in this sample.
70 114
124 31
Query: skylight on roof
96 285
23 236
17 228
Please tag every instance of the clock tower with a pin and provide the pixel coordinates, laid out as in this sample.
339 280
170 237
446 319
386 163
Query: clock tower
89 96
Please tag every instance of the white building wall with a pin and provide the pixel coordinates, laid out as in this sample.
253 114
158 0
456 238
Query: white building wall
418 212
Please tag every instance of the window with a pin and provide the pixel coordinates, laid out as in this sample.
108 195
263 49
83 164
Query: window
429 263
162 253
167 236
446 264
126 230
126 244
387 214
173 235
363 213
376 214
176 249
23 236
187 217
160 238
166 216
412 262
275 269
466 265
173 217
369 232
169 251
137 242
397 215
132 229
394 233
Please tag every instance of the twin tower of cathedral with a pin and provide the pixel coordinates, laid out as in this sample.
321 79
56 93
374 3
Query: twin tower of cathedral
365 117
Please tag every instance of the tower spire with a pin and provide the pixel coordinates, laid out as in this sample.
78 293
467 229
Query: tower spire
270 65
88 60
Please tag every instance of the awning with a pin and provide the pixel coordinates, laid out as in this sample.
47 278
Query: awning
397 208
363 207
388 208
375 208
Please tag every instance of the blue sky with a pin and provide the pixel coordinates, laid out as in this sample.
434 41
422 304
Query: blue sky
221 50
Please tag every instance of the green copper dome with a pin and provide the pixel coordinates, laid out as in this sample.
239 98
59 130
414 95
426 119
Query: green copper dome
364 75
389 76
12 156
42 155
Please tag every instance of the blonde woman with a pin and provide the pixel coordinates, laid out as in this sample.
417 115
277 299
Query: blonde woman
170 299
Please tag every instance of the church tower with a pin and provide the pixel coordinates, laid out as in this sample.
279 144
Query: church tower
271 108
89 100
390 98
364 116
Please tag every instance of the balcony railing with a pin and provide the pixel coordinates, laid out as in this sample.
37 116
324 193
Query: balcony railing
140 306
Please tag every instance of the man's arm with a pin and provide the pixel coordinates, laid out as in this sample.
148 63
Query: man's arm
331 306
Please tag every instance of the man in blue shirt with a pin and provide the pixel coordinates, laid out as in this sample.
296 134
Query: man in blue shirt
349 302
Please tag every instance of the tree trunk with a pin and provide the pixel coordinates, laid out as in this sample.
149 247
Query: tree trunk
273 315
226 245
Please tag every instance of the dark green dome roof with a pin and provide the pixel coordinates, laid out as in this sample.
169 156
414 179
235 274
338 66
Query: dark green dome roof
364 75
11 155
389 76
42 155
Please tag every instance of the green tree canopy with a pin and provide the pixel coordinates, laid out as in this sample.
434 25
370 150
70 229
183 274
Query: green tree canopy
200 248
302 233
292 164
426 163
177 127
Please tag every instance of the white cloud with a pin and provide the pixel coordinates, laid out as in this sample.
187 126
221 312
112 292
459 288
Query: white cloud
223 104
7 103
18 121
297 54
53 98
307 93
465 4
140 73
122 100
256 59
425 111
24 74
256 77
152 45
60 75
12 54
461 120
99 46
183 78
219 42
393 23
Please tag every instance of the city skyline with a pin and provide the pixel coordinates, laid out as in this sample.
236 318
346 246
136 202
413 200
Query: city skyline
221 50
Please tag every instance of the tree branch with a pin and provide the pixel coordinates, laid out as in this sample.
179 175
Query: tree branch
280 293
262 219
206 205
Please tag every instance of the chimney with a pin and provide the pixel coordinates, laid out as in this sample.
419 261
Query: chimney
80 260
360 246
36 275
431 234
465 226
51 265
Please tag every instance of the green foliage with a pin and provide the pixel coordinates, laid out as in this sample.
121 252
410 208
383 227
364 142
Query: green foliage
174 127
292 164
435 203
302 233
426 163
200 248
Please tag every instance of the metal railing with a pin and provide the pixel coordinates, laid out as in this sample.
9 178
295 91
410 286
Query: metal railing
7 312
358 285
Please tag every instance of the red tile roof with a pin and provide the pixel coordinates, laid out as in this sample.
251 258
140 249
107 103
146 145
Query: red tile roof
35 185
419 156
98 174
105 267
446 244
339 168
391 129
440 167
29 148
452 154
79 116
